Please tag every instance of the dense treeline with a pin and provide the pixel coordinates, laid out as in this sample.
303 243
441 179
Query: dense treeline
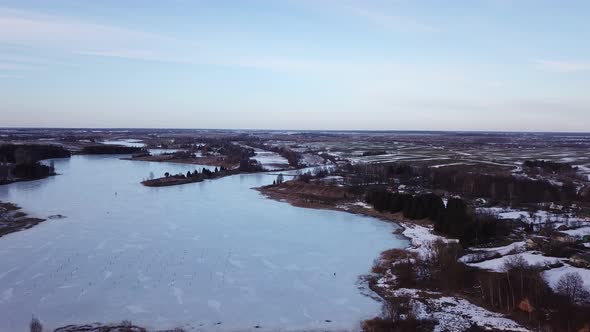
374 153
30 153
237 152
233 153
456 219
193 142
461 222
550 166
523 289
293 158
33 171
413 207
26 157
111 149
250 166
502 187
189 177
498 187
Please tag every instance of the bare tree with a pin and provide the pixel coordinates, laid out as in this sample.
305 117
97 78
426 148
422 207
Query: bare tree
571 286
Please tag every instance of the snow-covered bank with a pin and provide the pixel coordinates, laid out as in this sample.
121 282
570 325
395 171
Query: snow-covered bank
421 237
451 313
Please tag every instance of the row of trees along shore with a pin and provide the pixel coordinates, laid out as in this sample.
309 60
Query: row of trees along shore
25 159
455 219
496 186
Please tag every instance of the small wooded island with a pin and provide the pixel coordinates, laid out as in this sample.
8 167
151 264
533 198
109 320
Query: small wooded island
189 177
230 159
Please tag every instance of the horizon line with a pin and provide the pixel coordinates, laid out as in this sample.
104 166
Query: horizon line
305 130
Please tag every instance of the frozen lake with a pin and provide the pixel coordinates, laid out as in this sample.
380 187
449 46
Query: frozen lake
190 256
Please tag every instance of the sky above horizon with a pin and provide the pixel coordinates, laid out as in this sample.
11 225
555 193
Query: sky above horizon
510 65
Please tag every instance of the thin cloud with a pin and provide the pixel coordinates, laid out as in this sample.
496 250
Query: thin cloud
143 55
393 22
385 17
268 63
563 66
39 30
35 30
13 66
10 76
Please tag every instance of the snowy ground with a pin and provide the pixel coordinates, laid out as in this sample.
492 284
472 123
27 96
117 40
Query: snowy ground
455 314
333 179
552 276
450 164
584 169
532 258
539 217
493 252
421 238
312 160
505 250
578 232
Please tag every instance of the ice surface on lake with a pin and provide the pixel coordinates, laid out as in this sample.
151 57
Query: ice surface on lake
183 256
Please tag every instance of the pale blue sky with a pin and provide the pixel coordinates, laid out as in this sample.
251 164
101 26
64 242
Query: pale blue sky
288 64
